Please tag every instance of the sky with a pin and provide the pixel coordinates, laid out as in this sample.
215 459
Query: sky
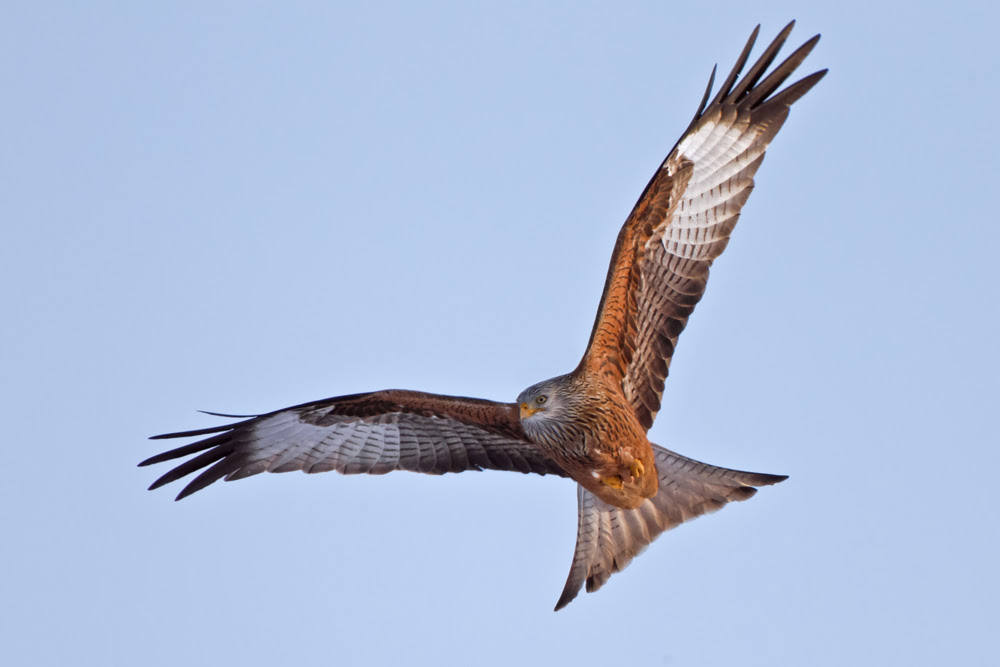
243 206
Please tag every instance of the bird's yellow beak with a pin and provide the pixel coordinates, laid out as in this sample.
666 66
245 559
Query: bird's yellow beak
527 411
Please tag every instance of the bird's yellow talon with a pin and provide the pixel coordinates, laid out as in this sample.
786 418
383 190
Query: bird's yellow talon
636 468
614 481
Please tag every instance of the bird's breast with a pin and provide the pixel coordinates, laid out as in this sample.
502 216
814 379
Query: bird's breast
603 447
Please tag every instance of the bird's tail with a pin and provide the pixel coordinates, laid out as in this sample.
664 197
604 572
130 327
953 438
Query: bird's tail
608 537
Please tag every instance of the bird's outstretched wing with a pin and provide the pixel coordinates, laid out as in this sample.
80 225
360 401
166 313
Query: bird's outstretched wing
682 222
608 537
372 433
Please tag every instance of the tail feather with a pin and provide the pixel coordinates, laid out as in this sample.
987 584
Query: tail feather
608 538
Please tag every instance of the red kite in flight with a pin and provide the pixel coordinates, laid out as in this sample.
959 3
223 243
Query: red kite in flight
590 424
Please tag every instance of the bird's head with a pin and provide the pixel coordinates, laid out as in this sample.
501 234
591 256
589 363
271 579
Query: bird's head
544 400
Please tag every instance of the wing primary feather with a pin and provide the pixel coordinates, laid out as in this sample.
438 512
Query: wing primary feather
759 67
216 472
189 434
704 98
186 449
223 414
789 95
188 467
741 62
780 73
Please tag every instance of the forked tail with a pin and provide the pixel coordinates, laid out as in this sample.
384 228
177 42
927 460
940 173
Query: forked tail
608 538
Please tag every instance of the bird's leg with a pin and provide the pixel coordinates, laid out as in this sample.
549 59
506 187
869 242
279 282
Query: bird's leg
614 481
636 468
634 465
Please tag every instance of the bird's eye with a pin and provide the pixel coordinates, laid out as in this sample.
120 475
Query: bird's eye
541 399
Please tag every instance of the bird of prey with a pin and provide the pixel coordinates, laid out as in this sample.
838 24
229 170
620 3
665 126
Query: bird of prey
590 424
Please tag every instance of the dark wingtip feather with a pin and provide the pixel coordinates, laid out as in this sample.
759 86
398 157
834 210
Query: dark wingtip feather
211 475
738 66
172 454
708 91
190 434
763 62
191 465
223 414
789 95
186 491
786 30
193 448
761 91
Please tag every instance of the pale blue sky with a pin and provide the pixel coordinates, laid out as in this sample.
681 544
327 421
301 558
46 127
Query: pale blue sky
237 207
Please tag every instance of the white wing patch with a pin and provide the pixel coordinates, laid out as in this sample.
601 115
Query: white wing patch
724 154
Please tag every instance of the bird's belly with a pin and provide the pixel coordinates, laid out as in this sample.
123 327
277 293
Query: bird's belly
621 473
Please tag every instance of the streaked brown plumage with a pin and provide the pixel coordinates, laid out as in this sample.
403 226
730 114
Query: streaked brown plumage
606 450
590 424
